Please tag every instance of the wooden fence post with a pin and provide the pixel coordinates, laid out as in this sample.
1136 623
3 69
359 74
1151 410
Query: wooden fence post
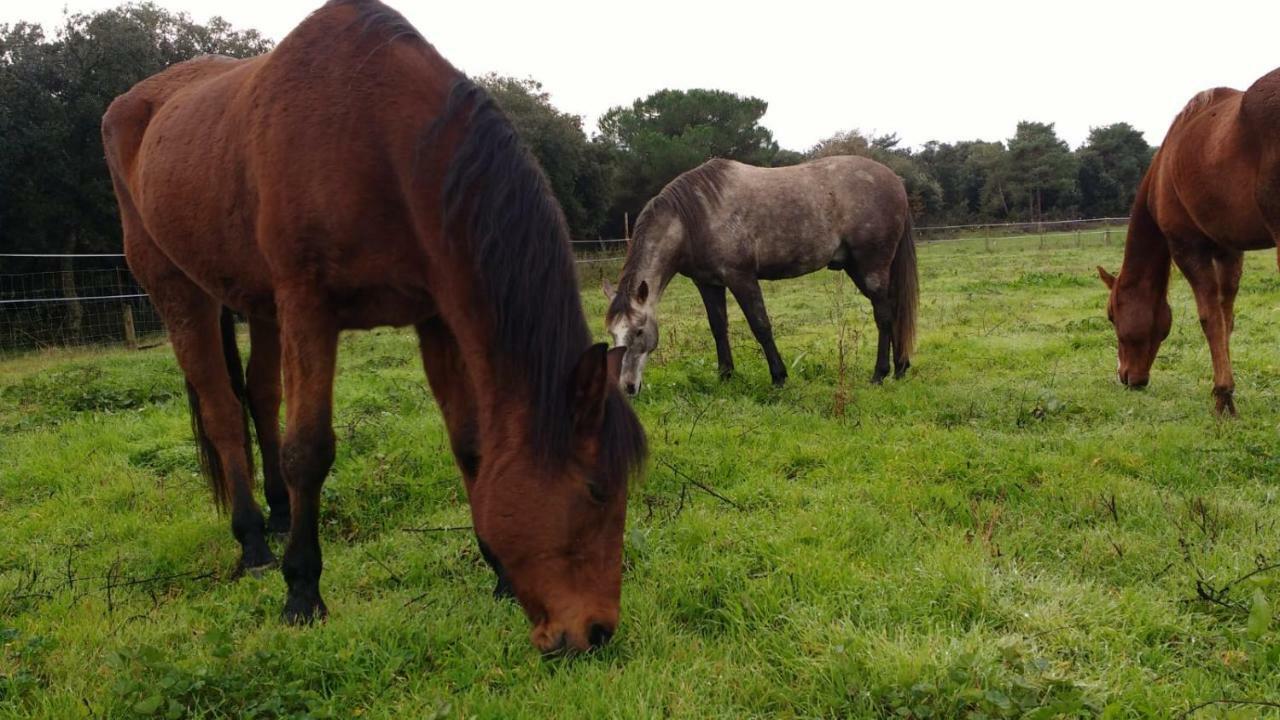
130 334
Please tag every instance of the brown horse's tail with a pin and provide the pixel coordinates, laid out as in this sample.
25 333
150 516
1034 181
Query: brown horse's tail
210 465
905 286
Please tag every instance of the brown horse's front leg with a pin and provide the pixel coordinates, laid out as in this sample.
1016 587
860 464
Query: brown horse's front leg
310 348
264 403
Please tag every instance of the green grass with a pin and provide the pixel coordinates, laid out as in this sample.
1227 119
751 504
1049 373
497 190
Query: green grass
1007 533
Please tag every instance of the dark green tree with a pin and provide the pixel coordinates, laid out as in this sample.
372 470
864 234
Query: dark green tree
1041 172
580 171
672 131
53 93
1112 162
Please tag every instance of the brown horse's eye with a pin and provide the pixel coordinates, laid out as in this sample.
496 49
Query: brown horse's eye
597 492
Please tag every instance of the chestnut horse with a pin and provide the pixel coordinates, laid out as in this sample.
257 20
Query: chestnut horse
353 178
1212 192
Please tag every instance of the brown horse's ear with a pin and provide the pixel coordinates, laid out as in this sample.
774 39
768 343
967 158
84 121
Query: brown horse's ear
1107 278
608 289
591 380
642 292
615 363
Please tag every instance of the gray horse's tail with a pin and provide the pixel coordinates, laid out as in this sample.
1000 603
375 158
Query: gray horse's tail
905 286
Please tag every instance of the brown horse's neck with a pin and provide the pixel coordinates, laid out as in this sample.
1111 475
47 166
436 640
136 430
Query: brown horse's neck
1145 271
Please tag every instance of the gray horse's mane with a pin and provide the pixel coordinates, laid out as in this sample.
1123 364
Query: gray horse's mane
690 197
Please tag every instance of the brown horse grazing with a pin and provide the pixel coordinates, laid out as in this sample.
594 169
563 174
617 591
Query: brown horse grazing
1211 193
353 178
728 225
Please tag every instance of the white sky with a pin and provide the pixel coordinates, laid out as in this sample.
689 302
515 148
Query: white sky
927 70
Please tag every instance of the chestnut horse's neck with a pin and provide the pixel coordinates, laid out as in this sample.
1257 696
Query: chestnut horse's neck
1144 274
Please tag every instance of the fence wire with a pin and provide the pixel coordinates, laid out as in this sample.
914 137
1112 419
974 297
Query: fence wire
92 298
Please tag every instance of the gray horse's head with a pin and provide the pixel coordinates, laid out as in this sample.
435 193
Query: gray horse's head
632 321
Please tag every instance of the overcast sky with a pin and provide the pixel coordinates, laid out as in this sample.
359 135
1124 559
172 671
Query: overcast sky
926 70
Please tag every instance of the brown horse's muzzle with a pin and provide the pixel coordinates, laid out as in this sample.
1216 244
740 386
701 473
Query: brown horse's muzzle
1134 380
575 632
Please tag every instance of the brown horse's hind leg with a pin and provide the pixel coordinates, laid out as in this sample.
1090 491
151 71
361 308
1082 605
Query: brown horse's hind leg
451 387
310 344
747 292
264 402
192 320
718 318
1214 279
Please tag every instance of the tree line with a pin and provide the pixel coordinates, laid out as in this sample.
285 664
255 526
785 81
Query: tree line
55 193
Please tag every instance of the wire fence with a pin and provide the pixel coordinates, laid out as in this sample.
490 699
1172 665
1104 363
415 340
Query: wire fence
50 300
93 299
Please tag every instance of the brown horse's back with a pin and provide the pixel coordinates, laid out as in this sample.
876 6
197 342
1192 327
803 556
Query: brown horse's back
237 188
1201 182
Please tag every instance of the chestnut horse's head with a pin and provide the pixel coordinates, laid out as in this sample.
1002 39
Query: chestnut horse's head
632 322
1142 320
552 528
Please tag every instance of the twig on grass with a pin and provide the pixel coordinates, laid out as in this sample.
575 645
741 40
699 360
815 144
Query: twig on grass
690 481
1227 701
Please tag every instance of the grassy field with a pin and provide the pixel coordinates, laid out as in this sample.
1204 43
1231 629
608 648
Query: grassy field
1006 533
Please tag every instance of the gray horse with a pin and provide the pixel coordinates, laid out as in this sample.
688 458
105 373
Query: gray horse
727 225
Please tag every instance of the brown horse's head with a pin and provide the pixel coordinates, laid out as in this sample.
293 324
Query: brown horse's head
1142 320
633 324
552 528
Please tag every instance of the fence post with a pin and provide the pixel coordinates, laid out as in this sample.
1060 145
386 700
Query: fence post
130 334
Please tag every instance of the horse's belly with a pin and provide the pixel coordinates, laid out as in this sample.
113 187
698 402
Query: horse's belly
792 258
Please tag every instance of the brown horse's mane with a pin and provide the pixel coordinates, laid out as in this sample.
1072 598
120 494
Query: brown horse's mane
690 197
497 199
374 16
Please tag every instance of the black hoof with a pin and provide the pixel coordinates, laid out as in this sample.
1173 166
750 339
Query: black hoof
726 373
779 379
503 591
901 372
878 378
278 523
254 560
303 610
1225 402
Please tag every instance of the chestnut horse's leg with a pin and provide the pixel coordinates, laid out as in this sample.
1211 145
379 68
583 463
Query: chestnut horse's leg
264 402
718 318
451 387
747 292
310 346
1214 279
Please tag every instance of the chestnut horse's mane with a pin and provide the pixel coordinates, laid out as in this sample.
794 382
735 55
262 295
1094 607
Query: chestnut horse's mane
690 197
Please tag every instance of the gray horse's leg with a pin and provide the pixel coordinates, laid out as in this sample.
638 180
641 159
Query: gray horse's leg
883 311
717 317
747 293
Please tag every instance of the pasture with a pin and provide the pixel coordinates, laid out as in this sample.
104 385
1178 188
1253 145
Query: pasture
1006 533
